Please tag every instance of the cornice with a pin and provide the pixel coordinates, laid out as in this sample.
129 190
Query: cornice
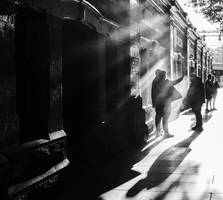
179 11
176 23
161 8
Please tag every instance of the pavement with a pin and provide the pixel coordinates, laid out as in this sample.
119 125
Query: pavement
188 166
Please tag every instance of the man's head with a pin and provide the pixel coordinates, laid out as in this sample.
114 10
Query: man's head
193 77
209 76
157 72
162 75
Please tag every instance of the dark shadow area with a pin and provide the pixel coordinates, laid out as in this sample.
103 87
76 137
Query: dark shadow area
176 154
92 179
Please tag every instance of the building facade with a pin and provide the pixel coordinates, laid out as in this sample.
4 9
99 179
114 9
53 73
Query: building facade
214 56
80 89
191 49
179 41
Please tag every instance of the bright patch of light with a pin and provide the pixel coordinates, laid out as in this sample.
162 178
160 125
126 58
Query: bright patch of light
133 3
196 18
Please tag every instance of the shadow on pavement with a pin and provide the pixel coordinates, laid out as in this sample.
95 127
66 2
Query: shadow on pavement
171 159
180 183
89 180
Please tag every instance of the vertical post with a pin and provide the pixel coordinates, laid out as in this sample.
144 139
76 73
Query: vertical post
55 119
171 49
195 56
188 56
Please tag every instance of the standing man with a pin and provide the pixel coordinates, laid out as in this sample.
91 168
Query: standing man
155 103
214 91
195 97
163 93
208 92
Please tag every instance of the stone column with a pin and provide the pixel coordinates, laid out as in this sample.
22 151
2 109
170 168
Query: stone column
55 116
39 70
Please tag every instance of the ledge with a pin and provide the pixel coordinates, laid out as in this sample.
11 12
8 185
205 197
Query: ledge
19 148
26 185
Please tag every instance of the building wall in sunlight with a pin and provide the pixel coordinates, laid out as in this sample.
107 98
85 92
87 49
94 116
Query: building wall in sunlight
167 41
191 49
204 63
154 31
179 27
163 43
199 58
149 49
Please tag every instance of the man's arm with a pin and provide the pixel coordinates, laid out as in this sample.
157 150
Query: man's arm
177 80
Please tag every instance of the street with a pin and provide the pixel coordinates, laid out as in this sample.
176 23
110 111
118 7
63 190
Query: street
81 84
187 166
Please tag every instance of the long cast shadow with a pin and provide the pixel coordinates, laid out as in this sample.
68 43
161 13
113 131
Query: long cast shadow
178 182
151 143
153 178
114 173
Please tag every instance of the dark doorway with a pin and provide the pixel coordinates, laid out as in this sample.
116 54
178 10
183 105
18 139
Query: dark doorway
83 93
32 81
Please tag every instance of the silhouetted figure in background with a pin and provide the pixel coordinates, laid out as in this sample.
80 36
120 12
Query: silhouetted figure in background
208 92
194 99
154 97
163 93
214 91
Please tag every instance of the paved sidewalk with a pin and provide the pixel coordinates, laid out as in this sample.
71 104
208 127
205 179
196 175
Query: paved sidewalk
188 166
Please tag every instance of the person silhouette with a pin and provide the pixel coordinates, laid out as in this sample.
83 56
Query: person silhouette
208 92
163 93
195 98
214 91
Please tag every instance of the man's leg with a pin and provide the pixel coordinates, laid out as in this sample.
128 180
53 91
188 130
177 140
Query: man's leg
207 102
198 116
211 103
158 117
166 116
214 98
